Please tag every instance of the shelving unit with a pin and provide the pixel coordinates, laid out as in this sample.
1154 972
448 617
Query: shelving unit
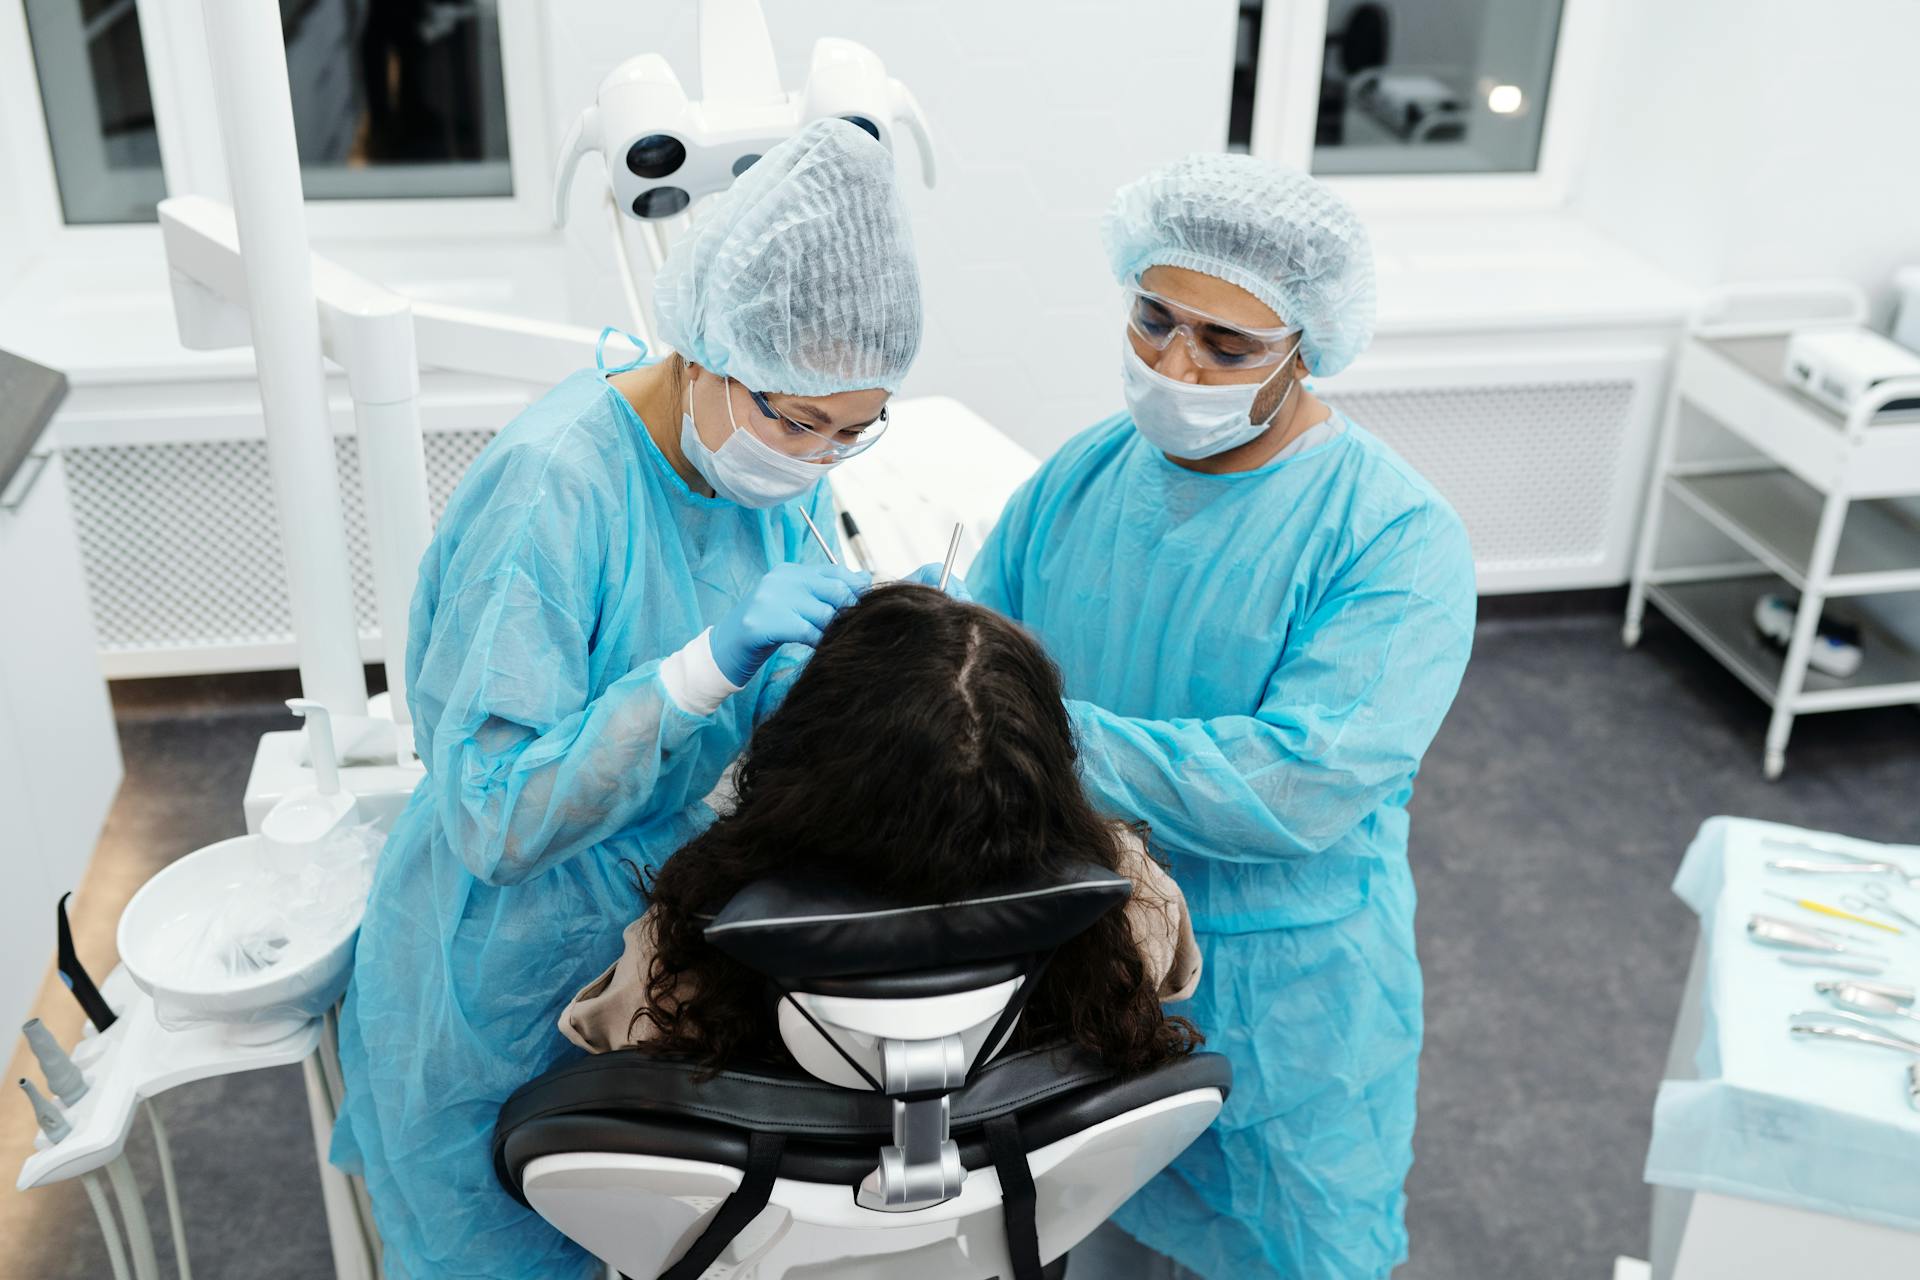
1812 503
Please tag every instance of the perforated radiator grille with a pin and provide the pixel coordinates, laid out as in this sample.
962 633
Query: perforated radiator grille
1531 468
181 545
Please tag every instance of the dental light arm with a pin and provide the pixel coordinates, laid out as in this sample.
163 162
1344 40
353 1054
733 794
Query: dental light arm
381 339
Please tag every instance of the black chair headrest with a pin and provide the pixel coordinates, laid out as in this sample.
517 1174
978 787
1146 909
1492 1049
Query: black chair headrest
790 929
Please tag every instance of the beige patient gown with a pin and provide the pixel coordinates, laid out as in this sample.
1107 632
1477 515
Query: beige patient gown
604 1015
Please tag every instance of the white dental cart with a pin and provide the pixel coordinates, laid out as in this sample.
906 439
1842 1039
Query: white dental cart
1756 485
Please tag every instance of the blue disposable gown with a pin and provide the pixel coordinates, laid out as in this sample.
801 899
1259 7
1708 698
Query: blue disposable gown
571 560
1255 664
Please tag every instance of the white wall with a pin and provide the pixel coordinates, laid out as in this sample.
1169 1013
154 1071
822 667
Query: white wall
1751 139
1039 108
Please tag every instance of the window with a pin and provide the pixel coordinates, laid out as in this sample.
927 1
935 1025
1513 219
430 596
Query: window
1420 86
397 98
93 80
391 99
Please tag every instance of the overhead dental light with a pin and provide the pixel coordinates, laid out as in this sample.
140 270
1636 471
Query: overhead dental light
664 151
1504 99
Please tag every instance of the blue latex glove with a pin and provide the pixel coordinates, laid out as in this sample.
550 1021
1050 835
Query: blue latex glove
928 575
791 605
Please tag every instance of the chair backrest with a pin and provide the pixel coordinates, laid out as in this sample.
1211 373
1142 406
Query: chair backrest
636 1157
907 1000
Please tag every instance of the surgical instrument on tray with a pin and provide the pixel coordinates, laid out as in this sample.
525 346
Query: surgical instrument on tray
953 549
1840 864
1771 931
814 529
1821 908
1881 901
1893 991
855 543
1884 1040
1841 963
1858 999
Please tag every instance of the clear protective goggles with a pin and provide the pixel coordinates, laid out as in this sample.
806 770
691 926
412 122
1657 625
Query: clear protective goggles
1215 343
791 438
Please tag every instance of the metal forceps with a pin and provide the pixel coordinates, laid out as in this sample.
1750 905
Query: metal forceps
1878 898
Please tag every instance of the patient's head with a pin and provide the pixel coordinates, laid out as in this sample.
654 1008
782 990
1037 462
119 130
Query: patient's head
923 754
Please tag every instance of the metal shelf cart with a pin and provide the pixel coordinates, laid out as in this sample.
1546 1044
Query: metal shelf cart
1772 487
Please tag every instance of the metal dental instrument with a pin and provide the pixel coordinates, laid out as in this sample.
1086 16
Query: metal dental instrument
814 529
1770 931
1858 999
953 549
1913 1085
1893 991
1839 963
1821 908
1881 901
1885 1041
855 543
1836 862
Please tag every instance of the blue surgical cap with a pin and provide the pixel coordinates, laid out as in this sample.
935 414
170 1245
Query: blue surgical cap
801 277
1273 231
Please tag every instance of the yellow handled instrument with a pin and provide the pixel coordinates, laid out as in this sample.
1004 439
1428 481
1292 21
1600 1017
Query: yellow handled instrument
1821 908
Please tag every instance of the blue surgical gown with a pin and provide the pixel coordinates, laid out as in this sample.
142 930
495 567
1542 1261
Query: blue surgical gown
571 560
1255 664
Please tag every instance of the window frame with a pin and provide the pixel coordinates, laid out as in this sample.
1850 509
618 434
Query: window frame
192 159
1287 102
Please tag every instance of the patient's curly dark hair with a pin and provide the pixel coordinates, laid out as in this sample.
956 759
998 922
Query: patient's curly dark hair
923 754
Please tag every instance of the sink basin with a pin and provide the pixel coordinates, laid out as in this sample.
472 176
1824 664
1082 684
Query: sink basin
248 933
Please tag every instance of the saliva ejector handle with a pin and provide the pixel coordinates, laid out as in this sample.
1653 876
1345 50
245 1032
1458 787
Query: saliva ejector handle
63 1077
326 763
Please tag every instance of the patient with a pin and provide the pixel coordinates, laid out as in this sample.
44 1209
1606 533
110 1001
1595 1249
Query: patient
923 755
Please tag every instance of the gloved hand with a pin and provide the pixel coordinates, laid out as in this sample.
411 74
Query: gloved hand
928 575
791 605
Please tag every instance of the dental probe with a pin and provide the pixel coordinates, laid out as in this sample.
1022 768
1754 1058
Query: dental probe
855 543
953 549
814 529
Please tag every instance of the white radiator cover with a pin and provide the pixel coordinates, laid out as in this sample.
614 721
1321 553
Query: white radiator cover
1529 467
182 549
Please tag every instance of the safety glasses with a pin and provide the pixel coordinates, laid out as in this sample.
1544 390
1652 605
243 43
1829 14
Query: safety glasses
1215 343
792 438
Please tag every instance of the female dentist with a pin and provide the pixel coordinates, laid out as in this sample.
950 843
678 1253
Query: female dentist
590 648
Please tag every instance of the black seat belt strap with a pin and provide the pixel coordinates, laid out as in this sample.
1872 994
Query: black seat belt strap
1016 1196
740 1208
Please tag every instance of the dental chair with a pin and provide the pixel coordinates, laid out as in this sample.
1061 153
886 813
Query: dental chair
902 1143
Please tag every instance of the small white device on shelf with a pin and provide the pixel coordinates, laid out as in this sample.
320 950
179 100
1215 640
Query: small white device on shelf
1839 367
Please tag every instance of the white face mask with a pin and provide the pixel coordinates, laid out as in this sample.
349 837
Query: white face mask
1190 419
746 469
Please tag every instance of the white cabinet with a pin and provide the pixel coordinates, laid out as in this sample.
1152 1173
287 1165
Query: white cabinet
59 753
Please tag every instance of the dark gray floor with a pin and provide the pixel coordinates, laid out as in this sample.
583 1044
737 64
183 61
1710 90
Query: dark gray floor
1549 820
